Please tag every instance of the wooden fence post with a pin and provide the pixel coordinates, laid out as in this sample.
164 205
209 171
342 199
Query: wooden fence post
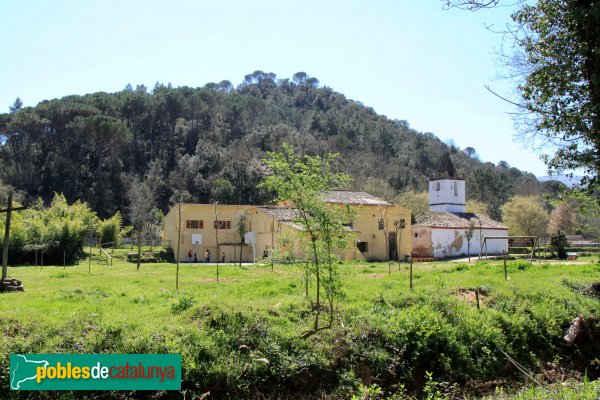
505 273
411 272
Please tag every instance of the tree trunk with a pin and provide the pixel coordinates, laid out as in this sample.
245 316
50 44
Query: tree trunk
139 248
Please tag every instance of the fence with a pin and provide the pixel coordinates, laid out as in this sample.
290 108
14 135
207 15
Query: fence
128 242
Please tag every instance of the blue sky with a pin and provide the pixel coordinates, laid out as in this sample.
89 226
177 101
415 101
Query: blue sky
407 59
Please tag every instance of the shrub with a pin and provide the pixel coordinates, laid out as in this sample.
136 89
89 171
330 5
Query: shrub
111 230
559 243
182 304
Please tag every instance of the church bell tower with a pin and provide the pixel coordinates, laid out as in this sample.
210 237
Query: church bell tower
446 189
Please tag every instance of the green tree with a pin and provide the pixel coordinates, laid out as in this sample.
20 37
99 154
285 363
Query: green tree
59 231
477 207
560 89
301 180
559 243
240 226
379 187
141 211
469 235
557 65
587 208
417 203
111 231
525 216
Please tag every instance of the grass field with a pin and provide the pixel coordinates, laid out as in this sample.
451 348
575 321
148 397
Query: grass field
239 337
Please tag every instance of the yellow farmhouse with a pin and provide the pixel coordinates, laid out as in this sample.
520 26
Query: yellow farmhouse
202 228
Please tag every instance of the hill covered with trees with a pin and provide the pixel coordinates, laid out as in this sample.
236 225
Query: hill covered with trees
205 144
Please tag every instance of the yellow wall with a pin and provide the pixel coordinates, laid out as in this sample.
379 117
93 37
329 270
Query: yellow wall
206 213
269 230
366 225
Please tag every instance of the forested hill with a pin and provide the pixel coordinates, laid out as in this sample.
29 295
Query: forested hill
205 143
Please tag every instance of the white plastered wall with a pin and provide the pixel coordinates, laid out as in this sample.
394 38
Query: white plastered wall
453 243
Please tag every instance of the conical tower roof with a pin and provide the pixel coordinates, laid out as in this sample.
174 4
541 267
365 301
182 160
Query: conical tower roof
446 169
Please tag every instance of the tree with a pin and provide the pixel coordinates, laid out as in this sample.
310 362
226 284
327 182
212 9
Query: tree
471 5
111 230
417 203
301 180
141 211
559 243
477 207
588 211
562 94
556 63
471 153
379 187
469 235
525 216
240 226
562 219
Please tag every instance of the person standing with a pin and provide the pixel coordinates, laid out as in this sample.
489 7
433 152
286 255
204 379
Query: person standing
190 259
207 256
195 257
222 256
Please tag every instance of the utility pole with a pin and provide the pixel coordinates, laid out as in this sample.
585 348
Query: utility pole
8 210
6 237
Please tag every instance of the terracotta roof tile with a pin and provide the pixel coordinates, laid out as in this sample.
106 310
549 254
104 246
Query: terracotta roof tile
352 197
456 220
284 214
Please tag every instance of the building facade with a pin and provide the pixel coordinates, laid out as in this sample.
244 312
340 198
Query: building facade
381 230
442 232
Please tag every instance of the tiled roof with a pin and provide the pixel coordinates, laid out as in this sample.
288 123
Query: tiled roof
284 214
456 220
352 197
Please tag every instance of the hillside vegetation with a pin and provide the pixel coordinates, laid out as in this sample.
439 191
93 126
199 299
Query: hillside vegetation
204 144
241 337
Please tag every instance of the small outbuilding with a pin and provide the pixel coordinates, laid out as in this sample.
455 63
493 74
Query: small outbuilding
443 231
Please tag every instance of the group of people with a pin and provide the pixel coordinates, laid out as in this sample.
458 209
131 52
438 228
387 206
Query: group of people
193 257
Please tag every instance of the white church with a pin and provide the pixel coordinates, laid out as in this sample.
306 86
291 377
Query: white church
441 232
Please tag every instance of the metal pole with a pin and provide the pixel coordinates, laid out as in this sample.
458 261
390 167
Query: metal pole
90 261
6 237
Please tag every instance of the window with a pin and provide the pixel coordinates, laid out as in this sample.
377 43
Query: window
363 247
381 224
400 223
194 224
437 186
222 224
455 188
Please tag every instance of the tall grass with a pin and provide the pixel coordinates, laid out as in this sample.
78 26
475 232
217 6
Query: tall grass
239 337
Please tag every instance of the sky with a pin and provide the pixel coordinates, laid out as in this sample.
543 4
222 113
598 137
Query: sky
408 59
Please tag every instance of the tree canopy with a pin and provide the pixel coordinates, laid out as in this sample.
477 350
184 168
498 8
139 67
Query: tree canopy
555 58
206 144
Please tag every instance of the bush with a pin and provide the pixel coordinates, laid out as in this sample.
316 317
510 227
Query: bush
110 231
558 244
58 231
182 304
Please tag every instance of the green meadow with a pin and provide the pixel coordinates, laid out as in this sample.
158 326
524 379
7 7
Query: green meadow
240 336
